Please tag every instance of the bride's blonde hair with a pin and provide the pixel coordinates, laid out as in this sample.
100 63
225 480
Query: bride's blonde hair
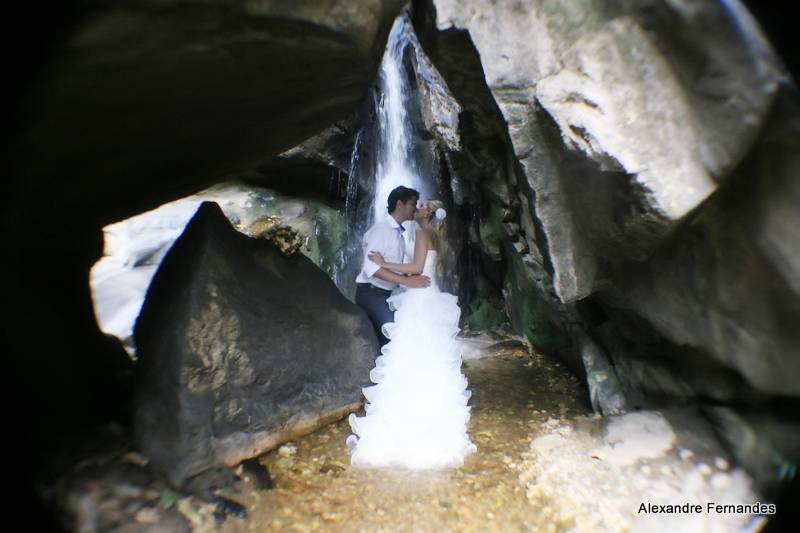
434 205
436 224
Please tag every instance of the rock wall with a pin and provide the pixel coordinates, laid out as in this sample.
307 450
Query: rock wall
118 107
125 106
128 94
633 170
662 100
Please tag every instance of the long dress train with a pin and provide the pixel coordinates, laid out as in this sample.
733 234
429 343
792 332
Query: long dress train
417 413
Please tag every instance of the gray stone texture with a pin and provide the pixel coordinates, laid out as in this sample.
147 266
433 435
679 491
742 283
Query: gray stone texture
240 349
727 281
667 97
641 189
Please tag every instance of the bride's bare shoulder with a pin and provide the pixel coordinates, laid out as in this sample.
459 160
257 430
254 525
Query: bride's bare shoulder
427 232
429 237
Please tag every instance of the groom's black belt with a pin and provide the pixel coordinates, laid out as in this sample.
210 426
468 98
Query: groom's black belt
371 287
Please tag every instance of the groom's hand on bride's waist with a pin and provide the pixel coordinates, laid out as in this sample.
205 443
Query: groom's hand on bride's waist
417 281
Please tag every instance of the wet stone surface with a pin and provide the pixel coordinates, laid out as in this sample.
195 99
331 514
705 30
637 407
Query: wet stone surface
513 394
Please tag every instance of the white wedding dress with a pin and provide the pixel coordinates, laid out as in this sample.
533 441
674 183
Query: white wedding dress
417 413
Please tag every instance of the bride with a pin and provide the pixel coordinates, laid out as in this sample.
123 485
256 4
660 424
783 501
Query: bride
416 413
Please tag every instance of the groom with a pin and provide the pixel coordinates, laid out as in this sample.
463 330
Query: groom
375 284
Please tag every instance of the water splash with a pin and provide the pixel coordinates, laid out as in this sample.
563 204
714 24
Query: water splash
351 188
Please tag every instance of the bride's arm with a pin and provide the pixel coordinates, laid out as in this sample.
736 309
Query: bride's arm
421 245
413 282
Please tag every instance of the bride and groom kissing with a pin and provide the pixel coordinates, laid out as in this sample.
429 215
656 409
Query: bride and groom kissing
382 268
416 411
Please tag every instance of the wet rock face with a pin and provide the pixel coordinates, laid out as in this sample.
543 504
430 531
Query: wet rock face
241 348
500 256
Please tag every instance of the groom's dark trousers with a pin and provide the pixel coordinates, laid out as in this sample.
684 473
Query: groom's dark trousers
373 300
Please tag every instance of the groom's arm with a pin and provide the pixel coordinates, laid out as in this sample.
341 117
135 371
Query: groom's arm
413 282
374 241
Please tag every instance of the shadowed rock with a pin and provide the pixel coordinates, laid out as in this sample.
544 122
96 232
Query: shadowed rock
728 282
140 102
241 348
118 107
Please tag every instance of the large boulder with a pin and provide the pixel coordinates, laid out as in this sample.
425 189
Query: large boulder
135 247
654 105
640 187
626 119
241 348
728 282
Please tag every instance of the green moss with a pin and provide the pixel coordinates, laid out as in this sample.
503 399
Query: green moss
486 316
529 311
321 228
329 236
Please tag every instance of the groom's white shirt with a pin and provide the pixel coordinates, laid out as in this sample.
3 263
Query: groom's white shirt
385 237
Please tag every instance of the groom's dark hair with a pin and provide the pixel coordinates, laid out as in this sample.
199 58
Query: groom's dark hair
404 194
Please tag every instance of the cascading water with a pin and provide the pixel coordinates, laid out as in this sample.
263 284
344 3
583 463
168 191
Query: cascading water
395 165
385 152
348 253
351 189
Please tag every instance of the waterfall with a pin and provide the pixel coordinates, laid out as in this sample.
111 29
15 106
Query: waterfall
395 164
351 189
385 152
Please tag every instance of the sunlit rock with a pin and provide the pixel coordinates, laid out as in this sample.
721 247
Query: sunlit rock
661 102
597 473
135 247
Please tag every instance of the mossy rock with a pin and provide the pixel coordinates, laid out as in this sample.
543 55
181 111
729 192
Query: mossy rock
329 236
321 229
486 316
529 311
